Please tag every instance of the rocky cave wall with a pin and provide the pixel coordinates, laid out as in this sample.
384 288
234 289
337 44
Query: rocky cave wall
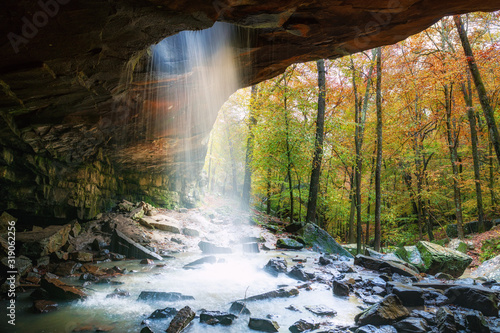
71 136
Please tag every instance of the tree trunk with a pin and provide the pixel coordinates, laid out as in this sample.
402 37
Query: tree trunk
378 167
247 183
288 153
475 155
452 135
492 176
268 192
481 90
318 145
352 212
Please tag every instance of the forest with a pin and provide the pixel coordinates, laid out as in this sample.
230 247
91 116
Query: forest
384 147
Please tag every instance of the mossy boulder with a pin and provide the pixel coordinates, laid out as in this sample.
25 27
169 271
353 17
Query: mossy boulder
288 243
439 259
321 241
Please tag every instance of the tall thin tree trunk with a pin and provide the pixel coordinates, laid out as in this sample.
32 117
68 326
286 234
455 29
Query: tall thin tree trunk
492 175
318 145
288 153
452 144
247 183
481 90
475 155
268 192
352 212
378 168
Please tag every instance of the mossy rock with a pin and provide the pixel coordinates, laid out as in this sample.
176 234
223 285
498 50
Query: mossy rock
439 259
321 241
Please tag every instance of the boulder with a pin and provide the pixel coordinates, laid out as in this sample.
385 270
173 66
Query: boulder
293 227
209 248
472 297
412 325
321 310
35 244
217 318
458 245
181 320
124 245
385 266
66 268
163 296
289 243
475 322
151 223
22 265
414 257
125 206
490 269
239 308
321 241
340 289
409 295
163 313
297 272
44 306
60 290
251 248
439 259
430 318
5 221
81 256
279 293
302 326
201 261
263 325
118 293
275 266
445 320
389 310
190 232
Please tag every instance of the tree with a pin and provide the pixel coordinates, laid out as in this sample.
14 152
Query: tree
378 167
481 90
247 183
318 144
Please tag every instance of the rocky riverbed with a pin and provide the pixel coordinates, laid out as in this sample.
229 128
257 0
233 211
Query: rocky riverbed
214 269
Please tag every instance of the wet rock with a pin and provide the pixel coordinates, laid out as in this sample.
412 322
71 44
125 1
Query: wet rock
340 289
201 261
475 322
374 329
321 241
147 262
163 296
297 272
118 293
412 325
302 326
125 206
409 295
289 243
181 320
445 320
444 276
43 261
146 329
251 248
268 246
168 226
439 259
209 248
430 318
88 277
292 307
124 245
44 306
490 269
385 266
66 268
279 293
389 310
116 256
275 266
321 310
323 261
190 232
35 244
477 298
163 313
61 291
263 325
239 308
217 318
342 267
81 256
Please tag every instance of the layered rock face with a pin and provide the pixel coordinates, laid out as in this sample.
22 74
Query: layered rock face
73 135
